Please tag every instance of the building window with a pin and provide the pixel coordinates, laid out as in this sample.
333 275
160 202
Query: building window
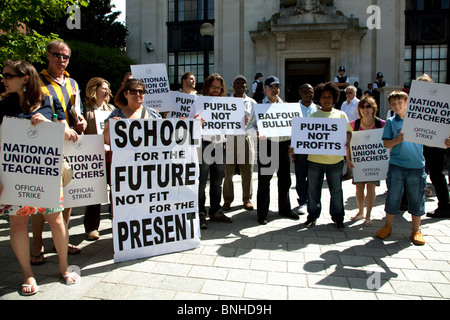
188 51
429 59
181 62
190 10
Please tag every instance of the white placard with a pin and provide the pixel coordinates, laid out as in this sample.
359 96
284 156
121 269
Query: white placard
223 115
275 120
427 119
154 185
323 136
86 157
182 105
30 164
157 86
369 156
100 117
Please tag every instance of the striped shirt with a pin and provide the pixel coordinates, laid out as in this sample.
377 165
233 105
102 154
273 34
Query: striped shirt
64 92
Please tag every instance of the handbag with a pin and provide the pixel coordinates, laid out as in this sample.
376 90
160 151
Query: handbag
66 170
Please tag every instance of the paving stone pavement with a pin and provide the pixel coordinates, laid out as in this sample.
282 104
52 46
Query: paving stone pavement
244 260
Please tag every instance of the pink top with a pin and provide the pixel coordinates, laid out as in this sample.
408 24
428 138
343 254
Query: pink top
383 122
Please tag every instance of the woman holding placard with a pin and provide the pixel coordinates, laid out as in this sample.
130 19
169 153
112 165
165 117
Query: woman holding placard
367 109
98 94
24 99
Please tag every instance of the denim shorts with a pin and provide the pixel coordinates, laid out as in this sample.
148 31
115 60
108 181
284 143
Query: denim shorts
411 181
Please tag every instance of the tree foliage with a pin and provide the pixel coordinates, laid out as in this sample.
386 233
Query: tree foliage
17 40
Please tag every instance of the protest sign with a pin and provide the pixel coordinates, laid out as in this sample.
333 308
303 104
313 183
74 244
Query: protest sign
369 156
427 119
182 105
30 164
323 136
100 117
157 87
86 157
223 115
154 183
275 120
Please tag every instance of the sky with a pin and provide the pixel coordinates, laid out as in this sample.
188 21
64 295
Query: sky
120 6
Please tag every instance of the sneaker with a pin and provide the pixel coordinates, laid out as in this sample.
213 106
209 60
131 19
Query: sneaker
301 209
310 223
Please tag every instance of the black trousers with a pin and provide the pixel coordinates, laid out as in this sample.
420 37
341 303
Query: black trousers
273 157
434 163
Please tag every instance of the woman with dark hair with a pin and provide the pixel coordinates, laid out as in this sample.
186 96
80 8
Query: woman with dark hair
331 166
24 99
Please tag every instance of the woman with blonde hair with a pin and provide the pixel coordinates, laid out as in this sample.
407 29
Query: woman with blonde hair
24 99
98 94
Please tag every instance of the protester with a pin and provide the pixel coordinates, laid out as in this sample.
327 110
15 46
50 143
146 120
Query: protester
25 99
367 110
277 151
301 160
246 146
129 100
55 81
213 162
188 83
329 165
98 94
434 165
406 172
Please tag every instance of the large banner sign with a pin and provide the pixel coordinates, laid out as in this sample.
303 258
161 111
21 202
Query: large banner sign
322 136
369 156
30 165
86 157
157 87
427 119
223 115
154 183
182 105
275 120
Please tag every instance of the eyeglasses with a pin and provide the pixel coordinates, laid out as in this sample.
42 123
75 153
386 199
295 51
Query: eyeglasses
216 88
9 76
368 106
65 57
136 91
275 86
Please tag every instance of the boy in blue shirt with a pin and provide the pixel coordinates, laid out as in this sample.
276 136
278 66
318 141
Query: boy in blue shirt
406 171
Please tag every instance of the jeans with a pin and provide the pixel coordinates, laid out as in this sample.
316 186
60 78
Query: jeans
333 173
435 158
216 174
410 181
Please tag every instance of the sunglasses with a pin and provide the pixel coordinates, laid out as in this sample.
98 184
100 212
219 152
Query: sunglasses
136 91
65 57
366 107
9 76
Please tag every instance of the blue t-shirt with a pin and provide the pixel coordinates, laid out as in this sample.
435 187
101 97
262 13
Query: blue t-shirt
406 154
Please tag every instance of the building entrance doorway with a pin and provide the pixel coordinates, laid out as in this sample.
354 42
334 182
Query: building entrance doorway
299 72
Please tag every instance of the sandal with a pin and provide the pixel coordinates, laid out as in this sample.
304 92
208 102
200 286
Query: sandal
417 238
72 278
357 218
32 292
384 232
38 260
368 223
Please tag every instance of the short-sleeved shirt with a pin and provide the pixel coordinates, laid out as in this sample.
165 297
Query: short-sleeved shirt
406 154
333 114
